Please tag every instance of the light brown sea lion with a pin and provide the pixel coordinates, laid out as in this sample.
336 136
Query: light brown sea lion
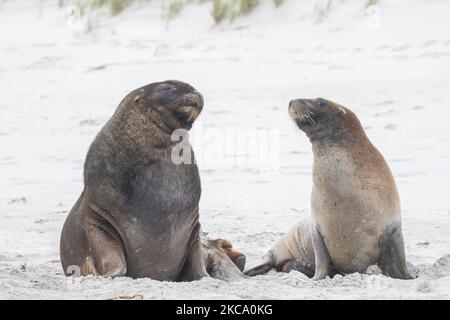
138 214
355 205
294 250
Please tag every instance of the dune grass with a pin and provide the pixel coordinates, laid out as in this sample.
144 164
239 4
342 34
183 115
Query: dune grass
220 9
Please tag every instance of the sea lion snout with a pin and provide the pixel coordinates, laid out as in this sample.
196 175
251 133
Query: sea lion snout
192 104
190 107
178 104
302 105
301 111
194 99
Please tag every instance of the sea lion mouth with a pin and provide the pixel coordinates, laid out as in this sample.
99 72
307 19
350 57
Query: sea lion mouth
186 115
182 113
188 108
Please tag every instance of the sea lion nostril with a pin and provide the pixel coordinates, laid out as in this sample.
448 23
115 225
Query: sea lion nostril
194 99
200 100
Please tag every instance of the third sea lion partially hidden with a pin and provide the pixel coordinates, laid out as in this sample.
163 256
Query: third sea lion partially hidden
355 206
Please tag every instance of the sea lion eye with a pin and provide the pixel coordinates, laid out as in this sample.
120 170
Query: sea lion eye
321 102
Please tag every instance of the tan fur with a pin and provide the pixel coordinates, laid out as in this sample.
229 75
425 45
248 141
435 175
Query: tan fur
294 245
354 199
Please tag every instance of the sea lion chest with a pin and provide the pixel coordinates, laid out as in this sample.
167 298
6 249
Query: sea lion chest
162 219
351 205
164 189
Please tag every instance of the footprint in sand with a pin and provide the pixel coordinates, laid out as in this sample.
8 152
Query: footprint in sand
401 48
428 43
18 200
45 63
441 268
424 286
384 113
391 126
385 103
385 47
89 122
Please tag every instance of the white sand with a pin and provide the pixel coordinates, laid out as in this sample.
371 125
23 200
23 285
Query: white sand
58 88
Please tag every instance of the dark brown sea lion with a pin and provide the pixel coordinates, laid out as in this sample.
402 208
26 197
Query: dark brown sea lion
355 205
138 214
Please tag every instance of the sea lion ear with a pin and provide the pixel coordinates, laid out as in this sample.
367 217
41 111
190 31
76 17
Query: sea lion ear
137 99
342 110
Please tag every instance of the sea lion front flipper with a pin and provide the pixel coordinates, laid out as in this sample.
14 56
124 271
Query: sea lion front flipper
262 267
308 268
392 259
194 266
322 256
105 247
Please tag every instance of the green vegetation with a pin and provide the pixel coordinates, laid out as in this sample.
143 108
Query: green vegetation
370 3
114 6
174 8
278 2
246 6
221 9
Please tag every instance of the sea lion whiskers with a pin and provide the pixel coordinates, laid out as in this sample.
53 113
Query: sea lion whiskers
309 114
309 117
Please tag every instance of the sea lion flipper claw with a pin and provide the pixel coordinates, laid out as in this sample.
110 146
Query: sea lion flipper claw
392 259
322 256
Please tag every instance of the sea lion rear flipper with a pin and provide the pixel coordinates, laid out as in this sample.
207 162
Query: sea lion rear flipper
322 256
262 267
105 247
392 254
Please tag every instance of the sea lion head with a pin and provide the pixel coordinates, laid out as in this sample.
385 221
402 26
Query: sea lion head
173 104
224 261
323 119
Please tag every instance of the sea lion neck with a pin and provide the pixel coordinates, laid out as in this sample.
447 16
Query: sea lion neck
347 140
348 135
